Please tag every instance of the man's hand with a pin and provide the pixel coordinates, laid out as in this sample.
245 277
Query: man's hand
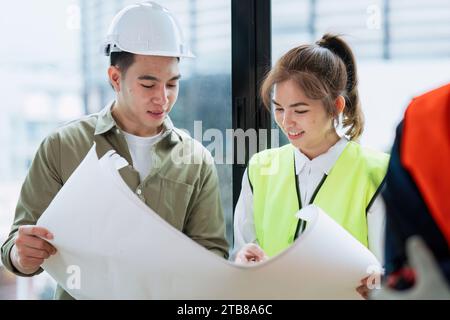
30 250
431 283
250 253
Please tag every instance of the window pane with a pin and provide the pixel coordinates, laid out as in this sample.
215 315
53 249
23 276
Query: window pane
41 89
402 49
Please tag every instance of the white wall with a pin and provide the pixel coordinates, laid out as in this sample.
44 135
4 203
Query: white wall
386 89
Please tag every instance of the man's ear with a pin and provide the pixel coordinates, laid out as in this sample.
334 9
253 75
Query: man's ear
114 76
340 104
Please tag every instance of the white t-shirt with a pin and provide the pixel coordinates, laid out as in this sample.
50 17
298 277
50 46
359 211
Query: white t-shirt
141 154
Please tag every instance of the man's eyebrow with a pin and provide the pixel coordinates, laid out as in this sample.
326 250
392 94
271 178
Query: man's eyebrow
297 104
153 78
148 77
177 77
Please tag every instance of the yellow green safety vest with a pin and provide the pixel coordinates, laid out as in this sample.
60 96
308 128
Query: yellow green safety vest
345 194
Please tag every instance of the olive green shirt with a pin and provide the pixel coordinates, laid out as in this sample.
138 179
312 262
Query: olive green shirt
184 194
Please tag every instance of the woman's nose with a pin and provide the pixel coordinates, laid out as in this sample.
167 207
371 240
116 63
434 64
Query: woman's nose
287 119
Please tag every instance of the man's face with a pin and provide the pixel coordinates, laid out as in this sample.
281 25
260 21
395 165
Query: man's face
146 93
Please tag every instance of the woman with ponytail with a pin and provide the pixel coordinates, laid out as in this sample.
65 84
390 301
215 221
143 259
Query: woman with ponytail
310 90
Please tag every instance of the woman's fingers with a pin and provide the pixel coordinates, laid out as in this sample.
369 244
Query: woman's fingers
250 253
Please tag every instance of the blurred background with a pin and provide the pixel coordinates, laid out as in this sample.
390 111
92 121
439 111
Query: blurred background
52 71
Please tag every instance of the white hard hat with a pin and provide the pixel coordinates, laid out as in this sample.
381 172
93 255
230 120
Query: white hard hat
146 28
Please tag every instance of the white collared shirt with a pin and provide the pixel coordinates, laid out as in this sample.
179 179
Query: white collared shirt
310 174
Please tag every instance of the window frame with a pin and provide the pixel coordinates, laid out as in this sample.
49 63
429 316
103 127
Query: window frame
251 59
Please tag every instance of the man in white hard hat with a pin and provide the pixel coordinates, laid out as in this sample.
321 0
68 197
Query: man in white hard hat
145 44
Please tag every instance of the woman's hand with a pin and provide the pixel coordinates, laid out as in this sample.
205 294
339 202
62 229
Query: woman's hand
250 253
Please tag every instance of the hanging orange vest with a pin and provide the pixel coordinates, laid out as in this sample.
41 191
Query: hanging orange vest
425 152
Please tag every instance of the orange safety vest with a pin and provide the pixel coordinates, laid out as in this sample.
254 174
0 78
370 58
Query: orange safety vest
425 152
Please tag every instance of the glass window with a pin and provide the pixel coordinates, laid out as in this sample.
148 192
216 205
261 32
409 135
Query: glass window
402 49
40 91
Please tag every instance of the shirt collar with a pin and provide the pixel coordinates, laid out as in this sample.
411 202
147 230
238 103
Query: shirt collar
324 162
106 121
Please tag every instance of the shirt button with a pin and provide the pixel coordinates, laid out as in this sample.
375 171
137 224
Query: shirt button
139 191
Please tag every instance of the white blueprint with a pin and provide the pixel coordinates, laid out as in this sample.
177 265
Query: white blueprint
112 246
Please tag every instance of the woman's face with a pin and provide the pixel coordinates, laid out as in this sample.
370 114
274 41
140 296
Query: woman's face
304 121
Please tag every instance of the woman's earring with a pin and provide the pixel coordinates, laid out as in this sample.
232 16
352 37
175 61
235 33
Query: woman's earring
336 122
338 125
